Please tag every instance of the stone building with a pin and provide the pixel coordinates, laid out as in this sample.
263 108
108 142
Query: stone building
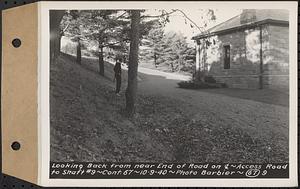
250 50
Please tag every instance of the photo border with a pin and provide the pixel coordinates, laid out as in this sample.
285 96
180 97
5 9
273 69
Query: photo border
43 97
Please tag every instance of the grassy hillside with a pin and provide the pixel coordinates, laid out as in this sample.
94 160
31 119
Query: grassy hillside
88 124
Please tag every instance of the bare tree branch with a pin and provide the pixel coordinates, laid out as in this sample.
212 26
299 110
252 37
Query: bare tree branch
65 29
161 15
201 29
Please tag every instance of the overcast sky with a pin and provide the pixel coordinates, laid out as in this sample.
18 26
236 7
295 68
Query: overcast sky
177 21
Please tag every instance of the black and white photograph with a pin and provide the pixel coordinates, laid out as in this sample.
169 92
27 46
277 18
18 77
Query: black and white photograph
170 85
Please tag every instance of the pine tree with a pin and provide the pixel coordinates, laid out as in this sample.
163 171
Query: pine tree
176 51
131 90
106 27
153 44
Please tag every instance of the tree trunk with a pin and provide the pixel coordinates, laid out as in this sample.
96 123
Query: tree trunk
59 42
133 63
155 60
180 64
55 19
101 60
78 54
172 67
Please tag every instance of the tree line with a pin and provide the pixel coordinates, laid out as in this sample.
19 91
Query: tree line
118 29
170 50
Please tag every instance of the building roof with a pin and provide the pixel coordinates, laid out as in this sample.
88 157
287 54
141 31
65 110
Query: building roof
262 16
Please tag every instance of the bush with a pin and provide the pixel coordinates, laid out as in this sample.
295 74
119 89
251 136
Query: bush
200 85
187 84
209 79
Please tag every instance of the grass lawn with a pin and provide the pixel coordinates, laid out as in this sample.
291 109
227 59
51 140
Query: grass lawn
268 96
87 123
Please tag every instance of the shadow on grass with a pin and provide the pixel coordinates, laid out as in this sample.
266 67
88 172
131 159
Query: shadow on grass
91 64
268 96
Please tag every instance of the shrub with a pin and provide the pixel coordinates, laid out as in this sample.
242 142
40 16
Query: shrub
200 85
187 84
209 79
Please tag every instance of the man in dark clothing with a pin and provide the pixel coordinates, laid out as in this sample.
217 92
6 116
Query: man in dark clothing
118 71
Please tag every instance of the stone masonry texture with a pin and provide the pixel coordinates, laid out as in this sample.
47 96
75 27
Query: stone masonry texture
245 57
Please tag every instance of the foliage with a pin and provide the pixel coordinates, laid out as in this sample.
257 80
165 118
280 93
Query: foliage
200 85
153 44
106 27
69 48
169 50
110 28
210 79
201 80
177 54
71 25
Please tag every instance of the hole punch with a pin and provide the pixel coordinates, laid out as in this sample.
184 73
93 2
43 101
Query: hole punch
16 43
16 146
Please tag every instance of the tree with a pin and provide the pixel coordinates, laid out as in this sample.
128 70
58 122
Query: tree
175 51
102 26
134 49
133 62
55 19
74 30
190 59
67 20
105 27
78 50
153 43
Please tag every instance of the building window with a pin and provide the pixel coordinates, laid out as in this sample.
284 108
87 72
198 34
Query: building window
226 56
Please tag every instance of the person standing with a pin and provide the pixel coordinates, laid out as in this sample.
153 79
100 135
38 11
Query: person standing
118 72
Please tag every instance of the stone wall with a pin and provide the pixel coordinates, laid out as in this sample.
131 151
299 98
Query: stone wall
277 67
244 57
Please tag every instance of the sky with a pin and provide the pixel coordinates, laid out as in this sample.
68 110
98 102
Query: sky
177 20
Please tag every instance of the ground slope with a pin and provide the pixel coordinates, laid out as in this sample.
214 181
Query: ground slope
171 124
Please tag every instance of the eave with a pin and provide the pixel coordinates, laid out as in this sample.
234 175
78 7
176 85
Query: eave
242 27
